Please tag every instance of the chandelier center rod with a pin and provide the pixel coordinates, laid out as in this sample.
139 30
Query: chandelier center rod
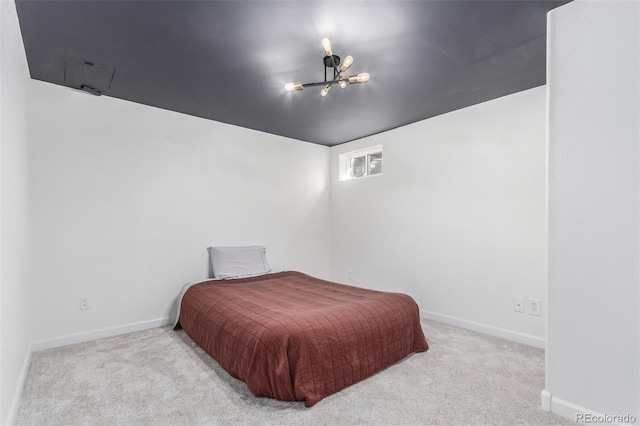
331 62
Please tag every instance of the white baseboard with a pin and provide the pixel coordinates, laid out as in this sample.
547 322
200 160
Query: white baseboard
545 400
514 336
17 394
101 333
568 410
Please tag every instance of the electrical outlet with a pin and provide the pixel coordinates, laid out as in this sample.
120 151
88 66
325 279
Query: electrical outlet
534 307
518 304
84 303
349 274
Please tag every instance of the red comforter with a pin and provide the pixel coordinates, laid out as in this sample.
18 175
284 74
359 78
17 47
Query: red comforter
293 337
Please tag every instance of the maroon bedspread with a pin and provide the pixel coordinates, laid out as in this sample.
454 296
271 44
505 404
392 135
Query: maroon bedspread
293 337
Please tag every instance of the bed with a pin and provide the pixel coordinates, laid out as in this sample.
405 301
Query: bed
293 337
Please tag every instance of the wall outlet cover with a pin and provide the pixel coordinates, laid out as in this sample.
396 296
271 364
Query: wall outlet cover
84 303
534 307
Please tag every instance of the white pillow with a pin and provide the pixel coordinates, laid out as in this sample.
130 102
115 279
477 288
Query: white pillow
233 262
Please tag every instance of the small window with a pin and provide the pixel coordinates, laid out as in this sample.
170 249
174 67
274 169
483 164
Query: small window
361 163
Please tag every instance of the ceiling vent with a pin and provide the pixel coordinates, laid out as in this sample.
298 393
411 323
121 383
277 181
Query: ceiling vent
88 76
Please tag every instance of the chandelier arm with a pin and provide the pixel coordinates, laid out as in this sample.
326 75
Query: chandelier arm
320 83
335 66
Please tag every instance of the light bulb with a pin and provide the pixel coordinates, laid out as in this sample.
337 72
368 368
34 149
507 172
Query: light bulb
347 63
342 83
326 45
325 90
290 87
363 77
360 78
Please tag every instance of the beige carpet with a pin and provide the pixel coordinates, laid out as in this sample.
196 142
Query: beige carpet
160 377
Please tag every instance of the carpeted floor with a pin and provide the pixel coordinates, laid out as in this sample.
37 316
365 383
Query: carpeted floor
160 377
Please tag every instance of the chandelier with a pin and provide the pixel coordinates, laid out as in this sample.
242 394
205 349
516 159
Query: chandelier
331 61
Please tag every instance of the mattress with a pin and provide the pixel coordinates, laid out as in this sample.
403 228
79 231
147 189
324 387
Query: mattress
294 337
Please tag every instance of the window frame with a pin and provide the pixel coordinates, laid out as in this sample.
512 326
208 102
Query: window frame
346 160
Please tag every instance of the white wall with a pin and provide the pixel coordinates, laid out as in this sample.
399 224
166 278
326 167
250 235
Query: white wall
457 220
15 310
128 197
593 340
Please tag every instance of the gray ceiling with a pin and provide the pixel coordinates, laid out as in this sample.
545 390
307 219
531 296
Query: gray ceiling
229 60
